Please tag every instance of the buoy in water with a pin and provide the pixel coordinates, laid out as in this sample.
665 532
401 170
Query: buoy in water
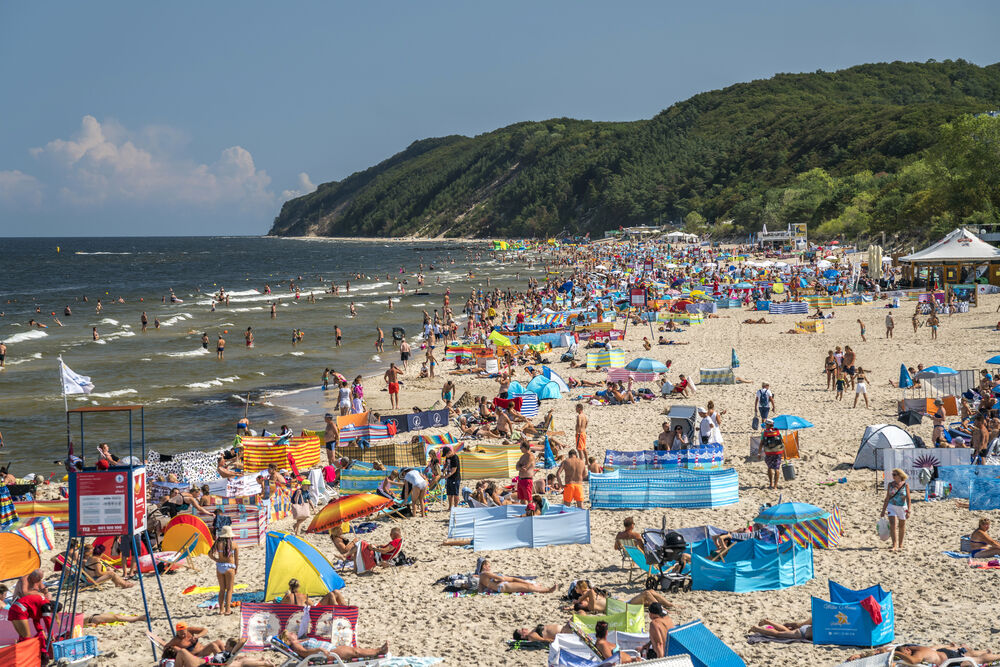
57 248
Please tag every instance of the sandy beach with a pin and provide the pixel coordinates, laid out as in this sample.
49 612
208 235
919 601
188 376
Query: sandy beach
937 599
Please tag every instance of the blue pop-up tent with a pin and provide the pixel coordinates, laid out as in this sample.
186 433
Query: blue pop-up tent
846 621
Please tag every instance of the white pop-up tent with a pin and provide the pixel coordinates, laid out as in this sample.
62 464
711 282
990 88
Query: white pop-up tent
876 437
959 246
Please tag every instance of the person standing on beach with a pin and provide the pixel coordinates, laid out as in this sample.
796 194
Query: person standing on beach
581 431
431 361
339 334
331 436
391 378
572 470
379 339
525 473
452 473
862 325
933 322
404 353
897 505
916 319
226 555
220 348
144 320
890 324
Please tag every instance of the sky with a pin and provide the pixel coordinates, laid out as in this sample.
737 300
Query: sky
201 118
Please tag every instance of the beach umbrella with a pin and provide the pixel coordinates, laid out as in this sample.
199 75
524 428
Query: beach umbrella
994 360
790 423
790 513
830 274
910 417
935 371
644 365
734 360
905 381
347 508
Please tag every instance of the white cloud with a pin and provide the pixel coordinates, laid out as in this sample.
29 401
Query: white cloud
305 187
105 162
18 188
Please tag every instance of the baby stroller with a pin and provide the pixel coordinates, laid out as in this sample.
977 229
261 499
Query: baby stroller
663 552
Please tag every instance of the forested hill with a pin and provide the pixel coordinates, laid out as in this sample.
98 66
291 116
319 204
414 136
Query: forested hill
881 147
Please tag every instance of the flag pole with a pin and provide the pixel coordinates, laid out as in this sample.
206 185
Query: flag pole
62 383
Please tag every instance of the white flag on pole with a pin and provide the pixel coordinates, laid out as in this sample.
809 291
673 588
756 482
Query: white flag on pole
73 383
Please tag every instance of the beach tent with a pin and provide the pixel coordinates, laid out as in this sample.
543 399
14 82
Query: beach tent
290 557
555 377
845 621
880 436
181 528
348 508
515 388
549 390
17 556
499 339
535 385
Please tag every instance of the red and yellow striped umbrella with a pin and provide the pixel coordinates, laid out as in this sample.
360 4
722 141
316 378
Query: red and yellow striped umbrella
346 509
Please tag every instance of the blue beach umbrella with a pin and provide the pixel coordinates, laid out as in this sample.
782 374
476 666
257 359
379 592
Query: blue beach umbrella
830 274
790 513
905 381
994 360
644 365
936 371
790 423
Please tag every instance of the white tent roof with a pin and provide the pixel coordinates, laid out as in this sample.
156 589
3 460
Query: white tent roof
959 246
880 436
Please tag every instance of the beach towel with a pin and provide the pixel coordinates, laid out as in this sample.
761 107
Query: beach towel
871 605
197 590
472 594
764 639
238 598
526 645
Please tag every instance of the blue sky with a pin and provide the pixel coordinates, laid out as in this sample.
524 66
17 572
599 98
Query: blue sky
202 117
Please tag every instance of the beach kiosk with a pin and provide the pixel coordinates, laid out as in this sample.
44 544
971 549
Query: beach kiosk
955 260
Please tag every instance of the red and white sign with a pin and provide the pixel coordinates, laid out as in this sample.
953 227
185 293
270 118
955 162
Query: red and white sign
102 501
637 297
138 500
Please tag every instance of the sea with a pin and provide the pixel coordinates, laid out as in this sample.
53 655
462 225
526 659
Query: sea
190 399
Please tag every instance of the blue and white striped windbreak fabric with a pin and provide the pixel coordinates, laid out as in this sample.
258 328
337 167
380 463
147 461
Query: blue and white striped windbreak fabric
675 488
529 404
789 308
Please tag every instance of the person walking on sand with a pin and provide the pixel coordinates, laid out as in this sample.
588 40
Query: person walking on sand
226 555
897 505
933 322
890 324
862 325
391 378
404 353
431 361
916 319
220 348
763 401
379 338
581 431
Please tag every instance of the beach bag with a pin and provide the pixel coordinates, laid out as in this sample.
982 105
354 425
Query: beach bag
882 526
788 471
301 511
756 422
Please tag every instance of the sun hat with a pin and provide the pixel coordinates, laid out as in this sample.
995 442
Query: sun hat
305 482
938 401
227 531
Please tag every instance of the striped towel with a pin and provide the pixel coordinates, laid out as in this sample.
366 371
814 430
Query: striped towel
623 374
8 515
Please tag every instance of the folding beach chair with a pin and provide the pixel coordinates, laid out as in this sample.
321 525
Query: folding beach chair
292 659
637 559
184 552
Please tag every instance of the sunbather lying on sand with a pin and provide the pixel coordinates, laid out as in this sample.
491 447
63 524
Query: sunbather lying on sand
179 657
480 431
101 619
312 646
542 633
913 654
760 321
495 583
596 601
790 630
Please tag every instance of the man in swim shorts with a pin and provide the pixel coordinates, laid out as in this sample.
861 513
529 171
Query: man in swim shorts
392 379
581 430
525 473
331 435
572 470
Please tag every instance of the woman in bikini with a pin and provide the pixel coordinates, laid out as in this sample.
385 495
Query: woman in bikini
95 569
984 546
101 619
597 601
829 366
227 560
294 596
345 548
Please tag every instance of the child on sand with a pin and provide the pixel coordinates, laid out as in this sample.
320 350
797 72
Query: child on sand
862 325
840 384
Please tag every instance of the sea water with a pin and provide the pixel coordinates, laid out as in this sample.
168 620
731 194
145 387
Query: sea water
192 400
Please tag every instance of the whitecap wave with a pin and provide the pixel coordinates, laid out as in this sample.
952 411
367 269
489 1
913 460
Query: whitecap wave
26 335
217 382
101 252
189 353
113 394
179 317
108 320
33 357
